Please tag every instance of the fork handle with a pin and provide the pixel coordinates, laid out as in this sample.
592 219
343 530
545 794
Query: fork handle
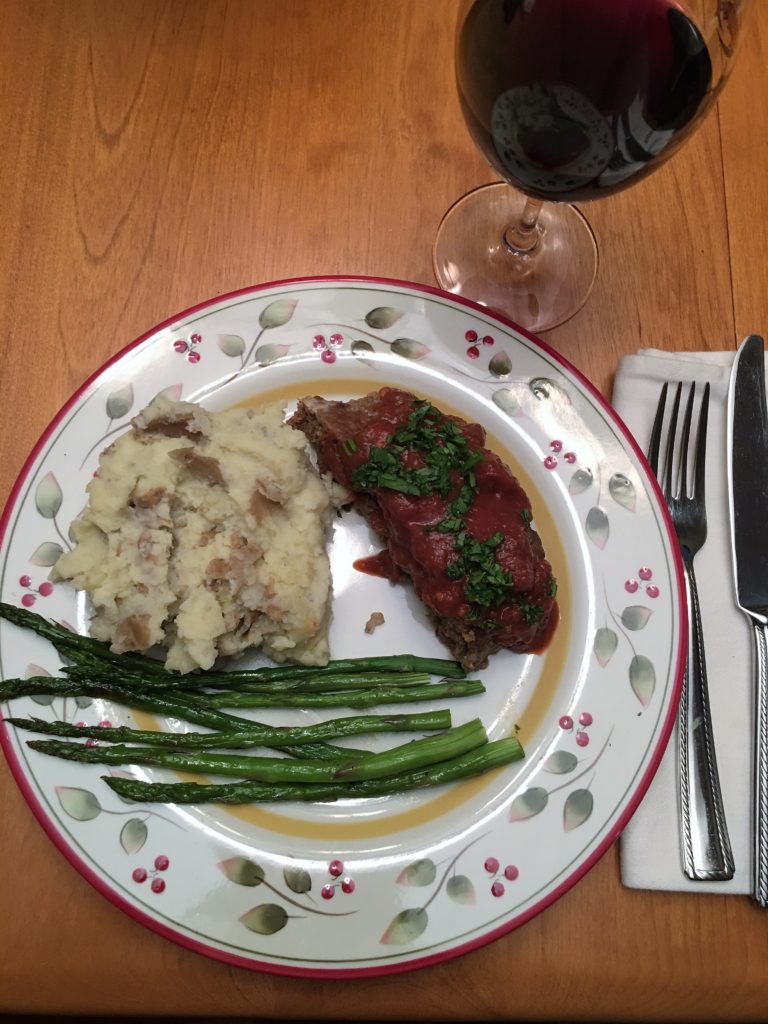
760 862
706 848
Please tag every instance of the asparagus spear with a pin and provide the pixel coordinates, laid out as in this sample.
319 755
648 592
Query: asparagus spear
348 699
83 646
265 736
303 684
177 706
413 755
492 755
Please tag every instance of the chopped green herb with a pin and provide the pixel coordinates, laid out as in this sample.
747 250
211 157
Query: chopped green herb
531 612
552 587
350 446
525 515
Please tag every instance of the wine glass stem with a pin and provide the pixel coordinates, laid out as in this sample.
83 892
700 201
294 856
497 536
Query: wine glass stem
521 239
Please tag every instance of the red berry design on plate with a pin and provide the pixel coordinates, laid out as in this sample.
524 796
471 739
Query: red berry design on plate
158 885
645 573
180 346
348 885
566 722
25 581
45 589
139 875
511 872
318 342
471 337
193 357
162 862
652 591
328 356
105 723
497 889
556 446
570 457
188 347
473 352
335 868
28 600
585 718
195 339
631 586
550 462
488 340
491 865
582 739
327 892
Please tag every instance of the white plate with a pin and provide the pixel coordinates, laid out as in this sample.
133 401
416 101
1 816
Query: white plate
394 883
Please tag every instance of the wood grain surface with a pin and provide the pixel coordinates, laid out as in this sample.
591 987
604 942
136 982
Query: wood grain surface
158 153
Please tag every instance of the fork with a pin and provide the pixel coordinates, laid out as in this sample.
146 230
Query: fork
705 846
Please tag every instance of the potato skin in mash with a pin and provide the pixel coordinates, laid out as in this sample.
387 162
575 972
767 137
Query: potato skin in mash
206 533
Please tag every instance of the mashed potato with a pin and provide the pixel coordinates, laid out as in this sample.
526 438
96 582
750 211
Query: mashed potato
206 533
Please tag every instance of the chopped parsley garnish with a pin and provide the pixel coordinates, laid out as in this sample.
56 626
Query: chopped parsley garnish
552 586
445 460
525 515
350 446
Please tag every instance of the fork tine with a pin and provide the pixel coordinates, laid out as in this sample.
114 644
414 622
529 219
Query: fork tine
684 443
670 448
655 442
701 447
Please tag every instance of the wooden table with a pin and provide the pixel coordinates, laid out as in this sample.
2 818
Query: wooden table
157 153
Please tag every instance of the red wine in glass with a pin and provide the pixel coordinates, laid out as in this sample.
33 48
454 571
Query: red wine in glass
569 100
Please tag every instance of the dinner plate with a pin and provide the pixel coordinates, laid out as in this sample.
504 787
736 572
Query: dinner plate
396 882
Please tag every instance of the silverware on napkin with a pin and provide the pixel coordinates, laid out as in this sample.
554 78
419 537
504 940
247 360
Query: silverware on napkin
704 841
748 499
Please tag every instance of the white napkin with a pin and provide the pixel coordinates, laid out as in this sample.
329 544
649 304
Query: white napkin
650 844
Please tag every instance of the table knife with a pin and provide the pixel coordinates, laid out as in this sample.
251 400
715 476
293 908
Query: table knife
748 499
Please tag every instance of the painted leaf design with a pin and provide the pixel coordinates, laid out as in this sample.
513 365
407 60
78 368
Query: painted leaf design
297 879
580 481
461 890
405 927
133 835
172 392
43 699
79 804
35 670
421 872
360 349
119 402
46 554
547 390
231 344
529 803
507 401
578 808
83 702
561 762
242 871
597 527
642 678
48 496
500 365
277 313
266 354
606 642
266 919
635 616
382 317
622 490
408 348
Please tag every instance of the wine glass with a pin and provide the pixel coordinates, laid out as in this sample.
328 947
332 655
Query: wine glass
569 100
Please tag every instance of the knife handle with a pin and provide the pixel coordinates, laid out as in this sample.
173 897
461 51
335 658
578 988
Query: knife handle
706 848
760 865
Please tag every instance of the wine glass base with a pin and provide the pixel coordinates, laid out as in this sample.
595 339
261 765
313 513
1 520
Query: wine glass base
538 290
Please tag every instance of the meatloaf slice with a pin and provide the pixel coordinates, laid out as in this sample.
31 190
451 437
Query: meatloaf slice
453 517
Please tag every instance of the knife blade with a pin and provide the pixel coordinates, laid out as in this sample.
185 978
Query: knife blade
748 501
